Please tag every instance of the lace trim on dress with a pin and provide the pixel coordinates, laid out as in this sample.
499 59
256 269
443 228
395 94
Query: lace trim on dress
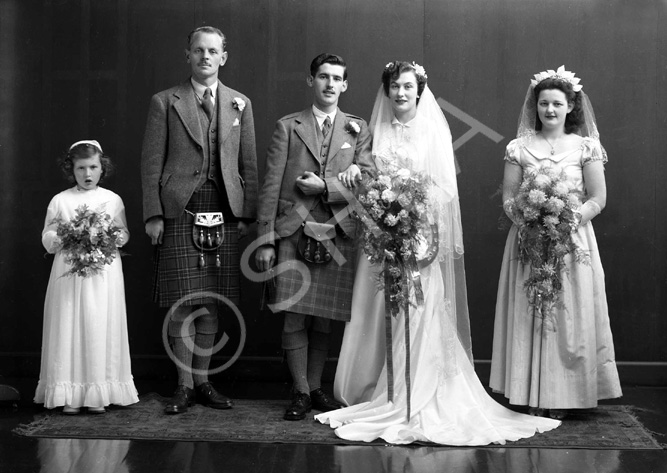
592 152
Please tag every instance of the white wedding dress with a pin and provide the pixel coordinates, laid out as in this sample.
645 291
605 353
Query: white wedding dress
449 410
448 403
363 351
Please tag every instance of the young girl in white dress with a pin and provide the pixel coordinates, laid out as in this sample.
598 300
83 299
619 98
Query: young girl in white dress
85 349
436 396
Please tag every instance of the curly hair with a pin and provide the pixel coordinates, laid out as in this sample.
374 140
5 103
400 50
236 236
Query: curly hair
393 71
327 58
84 151
575 118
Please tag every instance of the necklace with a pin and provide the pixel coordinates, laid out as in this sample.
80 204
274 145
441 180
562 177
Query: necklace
553 146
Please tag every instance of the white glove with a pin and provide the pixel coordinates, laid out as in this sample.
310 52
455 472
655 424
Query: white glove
589 210
508 207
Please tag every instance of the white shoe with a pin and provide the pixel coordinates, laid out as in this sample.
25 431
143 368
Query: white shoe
71 411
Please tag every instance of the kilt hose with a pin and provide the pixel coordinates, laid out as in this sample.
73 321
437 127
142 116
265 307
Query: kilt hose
329 293
176 270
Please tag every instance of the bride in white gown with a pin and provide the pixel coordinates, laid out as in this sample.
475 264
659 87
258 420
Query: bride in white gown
446 402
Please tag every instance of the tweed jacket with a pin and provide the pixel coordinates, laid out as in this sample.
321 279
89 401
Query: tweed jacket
172 157
294 150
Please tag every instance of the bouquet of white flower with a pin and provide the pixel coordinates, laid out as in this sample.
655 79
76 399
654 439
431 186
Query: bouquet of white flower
90 241
393 234
546 210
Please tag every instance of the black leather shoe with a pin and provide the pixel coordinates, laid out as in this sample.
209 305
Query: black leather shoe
299 407
323 402
208 396
183 398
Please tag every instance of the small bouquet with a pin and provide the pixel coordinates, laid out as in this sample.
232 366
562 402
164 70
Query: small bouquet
90 241
546 211
395 222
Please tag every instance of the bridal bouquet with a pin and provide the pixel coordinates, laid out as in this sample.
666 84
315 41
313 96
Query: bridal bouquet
90 241
395 220
546 211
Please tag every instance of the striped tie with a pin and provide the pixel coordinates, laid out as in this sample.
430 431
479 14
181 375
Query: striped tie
207 103
326 126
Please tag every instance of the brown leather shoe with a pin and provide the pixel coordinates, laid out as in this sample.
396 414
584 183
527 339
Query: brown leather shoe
208 396
323 402
299 407
183 398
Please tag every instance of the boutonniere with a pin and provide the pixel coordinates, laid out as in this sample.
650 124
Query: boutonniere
238 103
352 128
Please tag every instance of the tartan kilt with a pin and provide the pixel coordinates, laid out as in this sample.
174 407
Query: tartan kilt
176 269
329 294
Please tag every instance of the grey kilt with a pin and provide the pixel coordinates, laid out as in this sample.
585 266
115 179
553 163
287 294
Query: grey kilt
329 294
177 272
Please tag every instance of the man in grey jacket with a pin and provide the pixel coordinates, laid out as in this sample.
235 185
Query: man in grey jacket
309 150
199 180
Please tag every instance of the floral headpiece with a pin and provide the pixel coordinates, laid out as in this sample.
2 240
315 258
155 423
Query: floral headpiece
561 74
419 70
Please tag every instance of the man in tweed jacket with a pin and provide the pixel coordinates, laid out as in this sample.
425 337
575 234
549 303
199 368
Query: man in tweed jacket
198 156
308 151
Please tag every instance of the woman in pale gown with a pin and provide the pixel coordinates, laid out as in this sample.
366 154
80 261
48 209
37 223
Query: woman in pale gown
435 393
565 360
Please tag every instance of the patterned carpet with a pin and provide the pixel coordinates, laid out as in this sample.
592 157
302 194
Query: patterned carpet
608 427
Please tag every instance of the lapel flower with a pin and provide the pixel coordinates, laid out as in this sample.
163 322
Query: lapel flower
238 103
352 128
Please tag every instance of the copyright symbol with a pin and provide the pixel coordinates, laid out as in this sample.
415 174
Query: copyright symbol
191 346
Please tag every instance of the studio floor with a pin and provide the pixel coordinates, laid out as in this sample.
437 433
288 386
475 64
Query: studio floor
22 454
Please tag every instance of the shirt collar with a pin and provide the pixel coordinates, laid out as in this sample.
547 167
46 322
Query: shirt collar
200 89
395 121
320 116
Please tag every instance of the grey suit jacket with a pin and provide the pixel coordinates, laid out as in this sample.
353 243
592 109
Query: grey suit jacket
172 157
294 150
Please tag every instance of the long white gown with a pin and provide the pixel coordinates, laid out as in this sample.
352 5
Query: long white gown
569 361
85 348
360 363
446 409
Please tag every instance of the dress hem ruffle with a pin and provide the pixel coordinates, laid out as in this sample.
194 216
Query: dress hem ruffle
86 394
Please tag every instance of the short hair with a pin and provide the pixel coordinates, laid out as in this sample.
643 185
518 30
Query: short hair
208 29
328 58
393 71
84 151
575 118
